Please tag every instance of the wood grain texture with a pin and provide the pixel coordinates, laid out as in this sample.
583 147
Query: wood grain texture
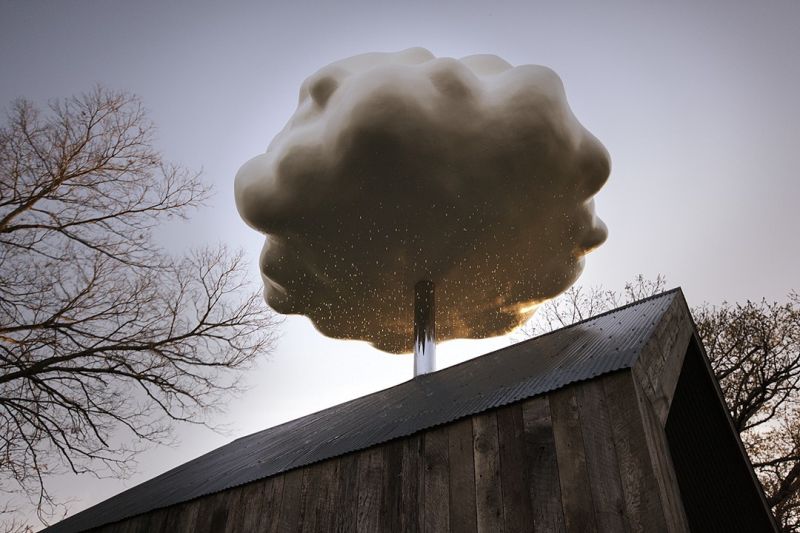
114 527
662 465
256 506
177 516
661 358
601 458
271 507
159 521
462 476
239 507
514 476
173 518
370 488
220 507
189 515
639 485
289 516
235 509
209 510
413 484
345 498
143 523
437 481
588 457
391 501
576 494
542 466
488 489
131 525
320 483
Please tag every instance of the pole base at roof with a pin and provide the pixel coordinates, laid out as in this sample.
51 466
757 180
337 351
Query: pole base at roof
424 328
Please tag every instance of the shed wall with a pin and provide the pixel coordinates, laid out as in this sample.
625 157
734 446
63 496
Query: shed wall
719 488
579 459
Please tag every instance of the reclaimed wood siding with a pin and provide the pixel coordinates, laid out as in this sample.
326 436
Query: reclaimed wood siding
661 359
587 458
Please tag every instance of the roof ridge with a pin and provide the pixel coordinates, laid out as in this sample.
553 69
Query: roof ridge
605 313
554 331
424 377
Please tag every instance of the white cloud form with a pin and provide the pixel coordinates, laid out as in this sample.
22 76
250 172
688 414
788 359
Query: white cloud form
399 167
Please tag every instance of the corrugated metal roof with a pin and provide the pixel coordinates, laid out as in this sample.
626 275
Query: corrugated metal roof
584 350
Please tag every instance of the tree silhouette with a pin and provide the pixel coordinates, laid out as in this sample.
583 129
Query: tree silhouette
105 338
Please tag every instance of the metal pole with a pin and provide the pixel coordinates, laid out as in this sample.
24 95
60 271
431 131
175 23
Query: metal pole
424 328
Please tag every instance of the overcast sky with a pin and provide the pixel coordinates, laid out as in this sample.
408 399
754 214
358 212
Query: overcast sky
696 102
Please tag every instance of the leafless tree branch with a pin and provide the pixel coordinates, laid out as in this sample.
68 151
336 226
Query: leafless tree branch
101 330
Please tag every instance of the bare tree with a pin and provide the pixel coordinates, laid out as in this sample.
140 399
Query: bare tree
579 303
754 349
101 330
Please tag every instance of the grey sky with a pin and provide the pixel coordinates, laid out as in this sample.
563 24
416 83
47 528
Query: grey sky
695 101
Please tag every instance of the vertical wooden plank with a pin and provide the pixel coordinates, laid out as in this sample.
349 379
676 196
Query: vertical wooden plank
601 458
218 520
147 522
270 517
238 508
542 466
235 509
346 494
318 510
124 526
138 524
413 487
576 493
158 521
193 515
176 515
370 486
213 513
517 512
254 504
290 515
130 525
187 522
220 511
273 504
662 464
437 487
488 490
462 476
203 512
391 494
116 527
639 486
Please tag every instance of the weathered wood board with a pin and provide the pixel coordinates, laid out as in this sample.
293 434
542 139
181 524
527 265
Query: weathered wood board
590 457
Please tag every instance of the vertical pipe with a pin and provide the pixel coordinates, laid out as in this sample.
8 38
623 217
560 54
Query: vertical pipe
424 328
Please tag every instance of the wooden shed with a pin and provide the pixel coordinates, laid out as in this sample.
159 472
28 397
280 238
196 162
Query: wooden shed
612 424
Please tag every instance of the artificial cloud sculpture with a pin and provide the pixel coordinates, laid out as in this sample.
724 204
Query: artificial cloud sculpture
400 167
